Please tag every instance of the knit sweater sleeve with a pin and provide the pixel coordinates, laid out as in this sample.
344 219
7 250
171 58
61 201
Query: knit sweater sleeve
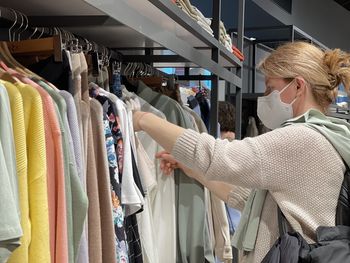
257 162
237 197
236 162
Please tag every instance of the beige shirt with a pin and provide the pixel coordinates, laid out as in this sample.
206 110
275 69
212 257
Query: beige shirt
298 166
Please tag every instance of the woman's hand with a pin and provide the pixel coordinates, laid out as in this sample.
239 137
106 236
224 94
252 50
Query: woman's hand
168 164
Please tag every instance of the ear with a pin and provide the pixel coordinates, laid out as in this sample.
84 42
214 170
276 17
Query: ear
301 85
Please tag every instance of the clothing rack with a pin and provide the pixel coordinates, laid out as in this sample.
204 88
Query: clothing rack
189 43
132 32
19 23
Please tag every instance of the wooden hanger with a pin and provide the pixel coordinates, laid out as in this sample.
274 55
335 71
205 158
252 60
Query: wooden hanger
42 47
3 55
13 63
9 60
7 77
152 81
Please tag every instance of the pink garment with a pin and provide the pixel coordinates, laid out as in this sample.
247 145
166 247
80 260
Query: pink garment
55 175
50 163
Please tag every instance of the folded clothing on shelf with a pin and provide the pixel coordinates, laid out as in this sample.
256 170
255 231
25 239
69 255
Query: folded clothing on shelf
237 53
206 27
203 18
195 14
189 11
205 23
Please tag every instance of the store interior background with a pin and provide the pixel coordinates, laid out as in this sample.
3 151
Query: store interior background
325 20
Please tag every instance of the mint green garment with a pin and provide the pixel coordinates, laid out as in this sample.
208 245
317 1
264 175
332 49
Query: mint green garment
10 226
77 201
189 195
247 230
337 132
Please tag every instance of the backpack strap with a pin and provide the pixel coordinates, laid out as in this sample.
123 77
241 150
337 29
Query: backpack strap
282 222
343 206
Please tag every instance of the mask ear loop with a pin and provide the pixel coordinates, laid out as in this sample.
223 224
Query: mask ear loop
293 101
287 86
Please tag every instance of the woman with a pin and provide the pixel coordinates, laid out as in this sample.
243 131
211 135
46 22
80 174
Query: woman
297 166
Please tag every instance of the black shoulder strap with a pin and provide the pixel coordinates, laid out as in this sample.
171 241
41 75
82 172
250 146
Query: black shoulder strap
282 222
343 205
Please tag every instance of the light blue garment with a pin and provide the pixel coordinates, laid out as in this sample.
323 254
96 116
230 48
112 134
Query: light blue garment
77 201
234 216
197 110
83 252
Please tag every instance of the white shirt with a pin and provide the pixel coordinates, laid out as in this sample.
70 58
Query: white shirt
131 196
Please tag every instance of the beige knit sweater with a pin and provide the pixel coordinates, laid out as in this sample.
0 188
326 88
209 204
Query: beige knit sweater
300 169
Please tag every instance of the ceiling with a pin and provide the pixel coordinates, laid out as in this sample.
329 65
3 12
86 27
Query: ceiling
344 3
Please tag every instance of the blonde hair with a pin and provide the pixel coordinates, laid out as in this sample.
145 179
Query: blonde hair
322 70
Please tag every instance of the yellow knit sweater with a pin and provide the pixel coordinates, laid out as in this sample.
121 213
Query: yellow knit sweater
39 248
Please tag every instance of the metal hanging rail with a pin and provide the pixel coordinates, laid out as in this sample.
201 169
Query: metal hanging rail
151 24
133 18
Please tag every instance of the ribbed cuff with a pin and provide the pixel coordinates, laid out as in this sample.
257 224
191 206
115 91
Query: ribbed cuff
185 146
238 197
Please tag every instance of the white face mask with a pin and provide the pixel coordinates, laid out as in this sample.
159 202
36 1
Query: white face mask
272 111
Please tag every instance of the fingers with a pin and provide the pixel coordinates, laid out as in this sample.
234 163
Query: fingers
167 162
166 156
159 154
167 168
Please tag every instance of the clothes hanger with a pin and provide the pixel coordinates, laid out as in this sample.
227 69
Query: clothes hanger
26 23
116 67
14 62
3 53
125 78
8 77
34 47
125 71
19 15
151 77
9 60
94 60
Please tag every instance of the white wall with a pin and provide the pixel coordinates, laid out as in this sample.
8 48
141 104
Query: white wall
324 20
